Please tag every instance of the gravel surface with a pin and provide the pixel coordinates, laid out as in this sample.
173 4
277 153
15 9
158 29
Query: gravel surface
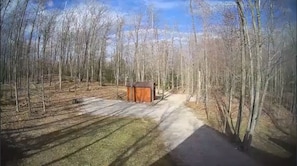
189 141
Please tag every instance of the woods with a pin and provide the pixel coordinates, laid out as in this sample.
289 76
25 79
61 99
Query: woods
246 51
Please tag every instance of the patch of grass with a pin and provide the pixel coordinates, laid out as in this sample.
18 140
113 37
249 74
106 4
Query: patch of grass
61 136
106 141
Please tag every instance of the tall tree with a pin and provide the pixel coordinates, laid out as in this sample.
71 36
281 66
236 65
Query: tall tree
119 51
243 45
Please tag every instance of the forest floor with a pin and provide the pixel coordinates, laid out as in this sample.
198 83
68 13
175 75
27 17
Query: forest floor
274 141
101 129
63 136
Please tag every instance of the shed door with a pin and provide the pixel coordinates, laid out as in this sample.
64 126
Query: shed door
143 94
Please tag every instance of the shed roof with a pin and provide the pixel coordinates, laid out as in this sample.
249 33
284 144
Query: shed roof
141 84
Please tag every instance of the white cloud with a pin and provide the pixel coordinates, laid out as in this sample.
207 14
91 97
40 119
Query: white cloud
221 3
216 5
210 7
165 5
50 3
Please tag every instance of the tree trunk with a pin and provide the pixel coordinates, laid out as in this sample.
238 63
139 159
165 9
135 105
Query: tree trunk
172 78
42 90
243 74
159 77
16 89
50 64
206 81
198 87
143 68
60 72
181 69
254 115
88 61
28 86
92 68
28 64
100 71
228 119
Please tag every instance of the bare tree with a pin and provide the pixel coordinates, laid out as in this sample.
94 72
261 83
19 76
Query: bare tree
119 51
205 14
17 50
198 83
137 25
243 71
28 58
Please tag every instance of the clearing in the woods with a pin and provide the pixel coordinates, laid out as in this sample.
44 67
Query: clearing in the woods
102 128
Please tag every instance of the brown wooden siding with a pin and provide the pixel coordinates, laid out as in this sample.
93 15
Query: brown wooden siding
137 94
141 92
130 94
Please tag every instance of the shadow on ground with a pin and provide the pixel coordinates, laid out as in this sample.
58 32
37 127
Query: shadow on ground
213 152
206 145
17 146
9 152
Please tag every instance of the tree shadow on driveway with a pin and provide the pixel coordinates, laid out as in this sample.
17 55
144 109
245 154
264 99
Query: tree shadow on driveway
207 146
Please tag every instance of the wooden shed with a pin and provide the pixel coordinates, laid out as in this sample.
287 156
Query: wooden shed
141 92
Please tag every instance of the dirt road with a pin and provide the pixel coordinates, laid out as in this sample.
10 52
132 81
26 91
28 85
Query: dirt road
189 141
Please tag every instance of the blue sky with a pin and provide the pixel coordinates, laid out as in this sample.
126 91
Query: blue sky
169 12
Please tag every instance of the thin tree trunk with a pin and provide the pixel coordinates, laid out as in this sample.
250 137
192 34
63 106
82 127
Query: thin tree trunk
100 71
28 64
198 87
78 69
206 81
181 68
164 79
188 81
16 54
16 88
88 62
117 75
192 79
71 67
10 79
159 77
28 86
172 78
247 138
117 71
45 40
143 67
229 110
92 67
42 90
102 55
258 71
60 73
243 74
50 64
254 115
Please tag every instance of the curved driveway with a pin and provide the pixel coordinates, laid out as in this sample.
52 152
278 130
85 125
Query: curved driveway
189 141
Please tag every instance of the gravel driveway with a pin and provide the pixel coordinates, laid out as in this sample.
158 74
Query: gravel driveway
189 141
